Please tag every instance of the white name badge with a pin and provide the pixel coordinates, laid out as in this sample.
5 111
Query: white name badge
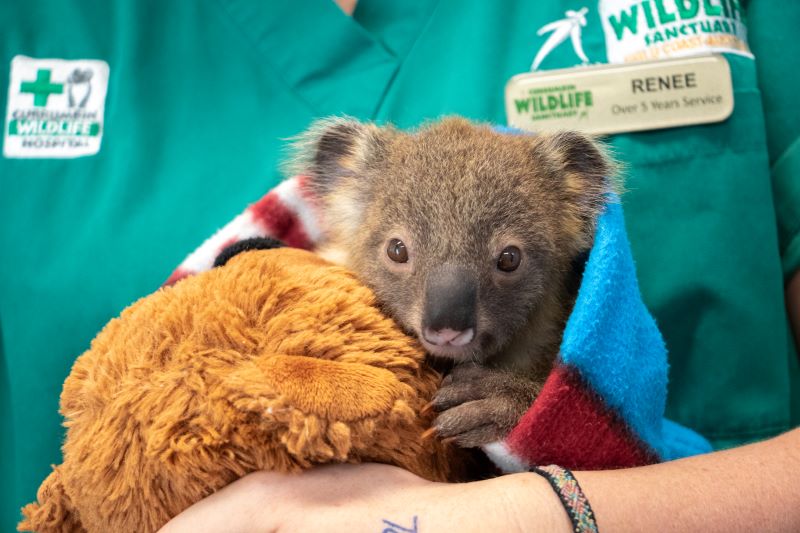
608 99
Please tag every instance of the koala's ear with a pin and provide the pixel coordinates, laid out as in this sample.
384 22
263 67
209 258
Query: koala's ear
334 150
335 156
588 174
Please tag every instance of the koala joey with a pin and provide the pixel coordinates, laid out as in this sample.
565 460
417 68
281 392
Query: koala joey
470 240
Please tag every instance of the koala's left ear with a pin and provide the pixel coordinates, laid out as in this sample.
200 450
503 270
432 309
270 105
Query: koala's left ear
588 175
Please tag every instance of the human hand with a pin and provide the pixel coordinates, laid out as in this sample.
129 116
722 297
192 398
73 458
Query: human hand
478 405
373 498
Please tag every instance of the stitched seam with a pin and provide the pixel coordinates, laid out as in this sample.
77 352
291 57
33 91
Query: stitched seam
402 61
260 59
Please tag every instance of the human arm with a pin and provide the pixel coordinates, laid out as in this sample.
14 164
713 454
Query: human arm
356 498
750 488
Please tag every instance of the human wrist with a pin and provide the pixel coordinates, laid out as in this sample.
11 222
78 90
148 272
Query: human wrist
529 502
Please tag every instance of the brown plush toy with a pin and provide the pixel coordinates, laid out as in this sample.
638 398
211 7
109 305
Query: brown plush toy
276 361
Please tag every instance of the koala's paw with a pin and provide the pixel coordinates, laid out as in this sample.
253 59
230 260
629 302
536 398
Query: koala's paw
478 405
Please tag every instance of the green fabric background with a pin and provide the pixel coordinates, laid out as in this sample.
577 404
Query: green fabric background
202 95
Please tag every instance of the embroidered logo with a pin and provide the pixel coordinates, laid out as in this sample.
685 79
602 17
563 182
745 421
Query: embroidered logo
641 30
80 87
568 27
55 108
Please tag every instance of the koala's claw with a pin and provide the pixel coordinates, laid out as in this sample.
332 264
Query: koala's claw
429 433
427 409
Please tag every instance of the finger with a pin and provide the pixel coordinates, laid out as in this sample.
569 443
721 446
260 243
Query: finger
447 380
453 395
463 372
479 436
463 418
470 371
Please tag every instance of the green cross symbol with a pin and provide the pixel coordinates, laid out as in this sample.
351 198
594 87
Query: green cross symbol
41 88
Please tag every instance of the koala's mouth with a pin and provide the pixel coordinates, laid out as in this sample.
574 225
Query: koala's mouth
456 345
448 337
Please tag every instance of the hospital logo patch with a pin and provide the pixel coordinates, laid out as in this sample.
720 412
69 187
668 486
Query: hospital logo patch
55 108
642 30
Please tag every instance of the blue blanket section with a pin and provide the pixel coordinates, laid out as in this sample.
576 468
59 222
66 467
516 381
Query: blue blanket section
613 341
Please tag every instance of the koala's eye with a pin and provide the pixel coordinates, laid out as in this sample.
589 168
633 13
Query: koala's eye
509 259
397 251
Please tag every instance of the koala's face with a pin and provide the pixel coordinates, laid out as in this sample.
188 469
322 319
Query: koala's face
462 280
460 231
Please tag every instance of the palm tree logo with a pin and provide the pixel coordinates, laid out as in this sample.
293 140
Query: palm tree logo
570 26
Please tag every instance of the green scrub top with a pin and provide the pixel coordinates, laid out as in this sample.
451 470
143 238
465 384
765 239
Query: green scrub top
202 95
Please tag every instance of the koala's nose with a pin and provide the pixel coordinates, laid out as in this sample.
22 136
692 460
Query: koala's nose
446 336
450 302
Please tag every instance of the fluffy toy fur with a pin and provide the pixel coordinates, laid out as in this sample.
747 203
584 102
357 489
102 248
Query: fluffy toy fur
276 361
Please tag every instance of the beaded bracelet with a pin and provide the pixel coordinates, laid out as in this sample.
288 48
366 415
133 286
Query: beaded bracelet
572 497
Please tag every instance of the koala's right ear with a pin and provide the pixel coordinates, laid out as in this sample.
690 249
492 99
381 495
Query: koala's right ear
335 156
335 150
